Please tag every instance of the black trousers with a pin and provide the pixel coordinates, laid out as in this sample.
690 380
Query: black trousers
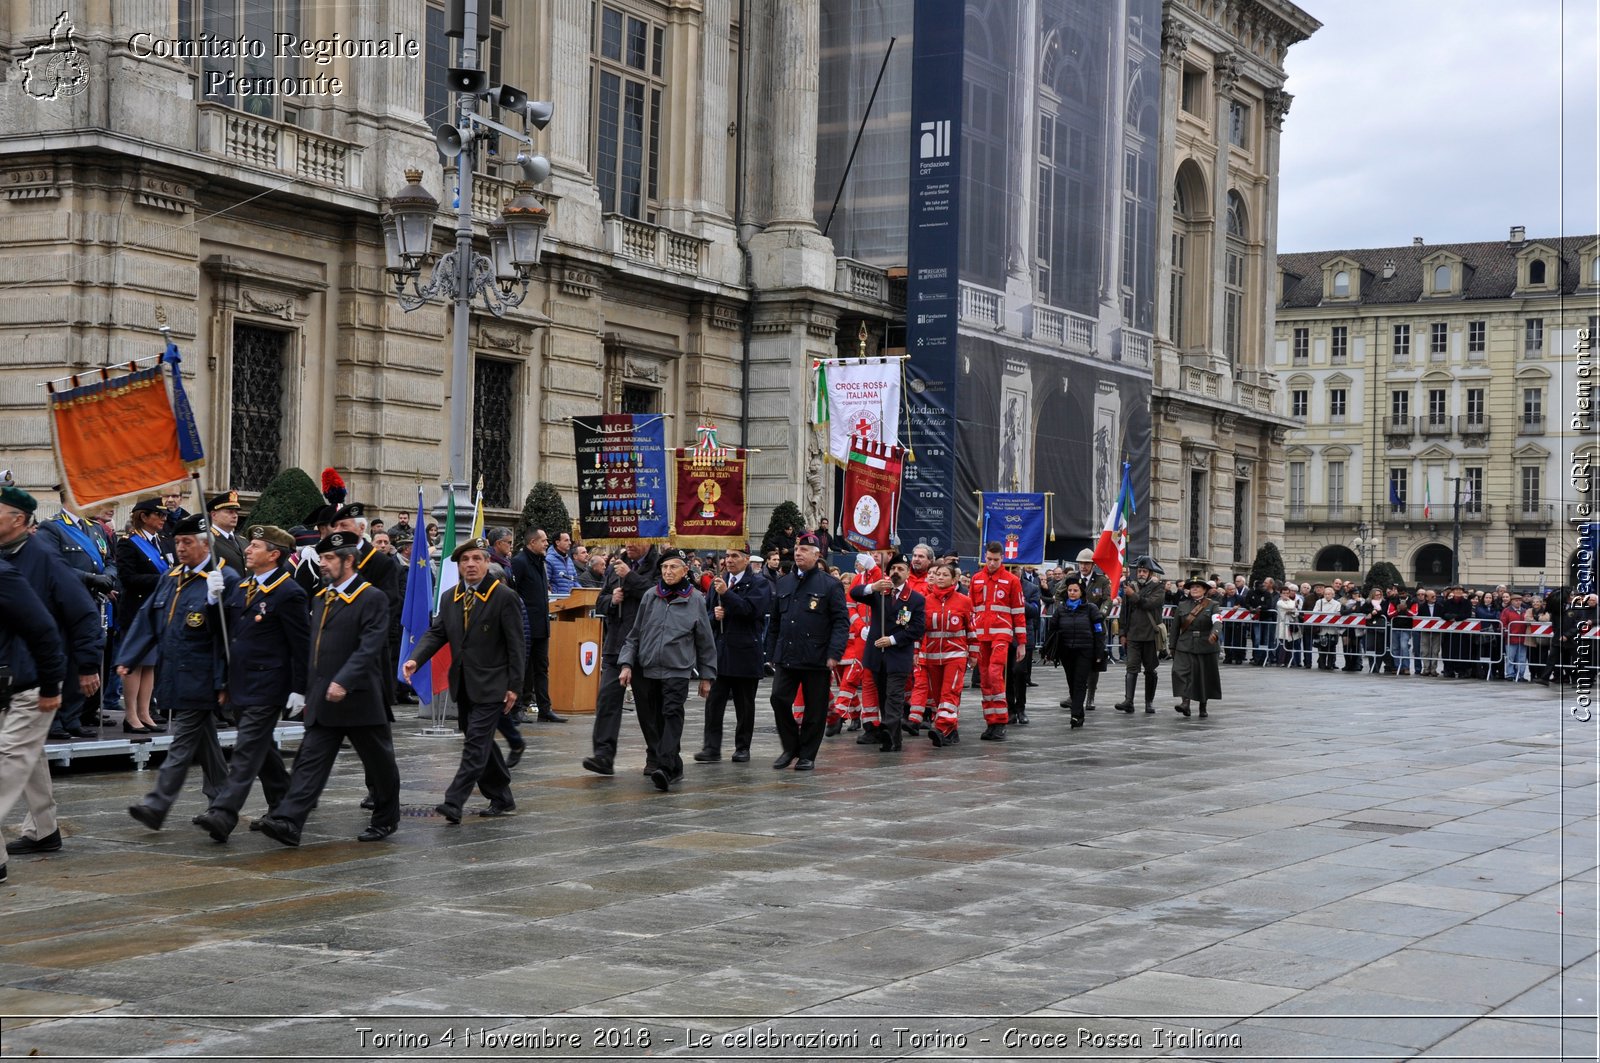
312 766
254 755
659 705
481 763
743 692
608 711
1079 668
536 677
513 734
892 697
194 736
1017 682
804 739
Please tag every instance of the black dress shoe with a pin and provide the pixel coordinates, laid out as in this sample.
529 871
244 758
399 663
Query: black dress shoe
936 736
375 834
279 830
146 815
650 767
84 732
1077 723
1181 710
598 766
1089 707
912 729
497 809
50 843
708 756
1149 708
549 716
369 803
741 756
868 735
215 824
1066 703
1124 706
255 825
953 737
804 765
1020 719
1202 712
662 780
59 736
995 732
855 725
515 756
787 758
833 728
449 811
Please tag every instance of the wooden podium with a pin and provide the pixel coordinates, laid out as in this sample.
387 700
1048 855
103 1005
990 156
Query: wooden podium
575 639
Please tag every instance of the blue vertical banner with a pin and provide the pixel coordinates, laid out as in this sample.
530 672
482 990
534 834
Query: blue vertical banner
189 448
933 283
1588 558
1015 520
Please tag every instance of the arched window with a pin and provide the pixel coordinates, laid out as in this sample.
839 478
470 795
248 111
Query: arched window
1536 272
1236 218
1441 278
1341 283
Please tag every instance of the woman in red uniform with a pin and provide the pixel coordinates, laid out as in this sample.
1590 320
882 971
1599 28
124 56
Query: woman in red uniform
948 644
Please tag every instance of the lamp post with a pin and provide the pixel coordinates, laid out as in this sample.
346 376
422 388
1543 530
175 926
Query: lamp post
1363 542
498 280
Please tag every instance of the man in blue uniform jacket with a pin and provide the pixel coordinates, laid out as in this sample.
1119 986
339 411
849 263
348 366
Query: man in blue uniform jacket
897 624
805 641
346 697
740 600
183 621
269 651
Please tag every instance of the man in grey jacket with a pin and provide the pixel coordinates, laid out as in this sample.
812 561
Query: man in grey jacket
670 640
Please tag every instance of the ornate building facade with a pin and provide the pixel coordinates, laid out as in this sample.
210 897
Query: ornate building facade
1218 419
1445 394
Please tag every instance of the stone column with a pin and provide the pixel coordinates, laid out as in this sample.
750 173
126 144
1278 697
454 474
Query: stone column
566 80
1116 141
793 112
1020 234
1175 36
1277 106
1228 68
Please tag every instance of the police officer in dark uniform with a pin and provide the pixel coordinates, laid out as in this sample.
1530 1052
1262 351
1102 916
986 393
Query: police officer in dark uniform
307 567
269 651
224 517
383 572
805 641
183 622
482 623
345 697
83 546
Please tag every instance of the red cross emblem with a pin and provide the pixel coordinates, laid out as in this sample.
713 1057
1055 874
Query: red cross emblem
863 426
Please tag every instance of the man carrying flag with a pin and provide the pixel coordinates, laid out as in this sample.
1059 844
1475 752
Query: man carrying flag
416 614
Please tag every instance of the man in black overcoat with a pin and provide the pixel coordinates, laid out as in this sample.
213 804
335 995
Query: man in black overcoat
345 697
739 602
481 621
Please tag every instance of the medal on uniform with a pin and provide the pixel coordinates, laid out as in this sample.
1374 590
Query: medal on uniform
903 617
195 620
812 604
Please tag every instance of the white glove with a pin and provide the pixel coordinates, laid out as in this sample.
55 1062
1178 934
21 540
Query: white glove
214 587
296 702
864 562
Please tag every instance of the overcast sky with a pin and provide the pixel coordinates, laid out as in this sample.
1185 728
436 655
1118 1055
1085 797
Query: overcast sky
1440 120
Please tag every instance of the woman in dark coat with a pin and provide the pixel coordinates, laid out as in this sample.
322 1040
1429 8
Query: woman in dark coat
1076 637
1195 675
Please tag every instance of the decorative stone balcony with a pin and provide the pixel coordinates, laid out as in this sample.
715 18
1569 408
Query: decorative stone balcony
1253 396
654 244
982 306
1338 513
1062 328
265 144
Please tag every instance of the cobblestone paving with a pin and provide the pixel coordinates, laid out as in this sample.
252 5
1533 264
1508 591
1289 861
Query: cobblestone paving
1330 867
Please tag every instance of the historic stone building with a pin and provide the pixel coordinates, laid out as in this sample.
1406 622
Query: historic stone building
1427 375
1218 418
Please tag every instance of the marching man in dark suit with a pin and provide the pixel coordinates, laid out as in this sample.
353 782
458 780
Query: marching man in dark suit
739 602
482 622
345 697
224 513
897 619
183 622
804 643
269 649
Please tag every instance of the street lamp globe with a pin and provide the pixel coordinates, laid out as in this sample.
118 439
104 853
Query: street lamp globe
408 227
525 220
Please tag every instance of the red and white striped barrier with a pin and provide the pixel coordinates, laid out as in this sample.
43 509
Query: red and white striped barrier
1333 620
1431 623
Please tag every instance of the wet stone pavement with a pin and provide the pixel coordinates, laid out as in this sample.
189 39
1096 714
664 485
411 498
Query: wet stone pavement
1330 867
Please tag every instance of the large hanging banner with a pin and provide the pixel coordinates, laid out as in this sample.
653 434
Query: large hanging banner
1017 521
871 501
622 478
709 495
115 439
933 284
858 397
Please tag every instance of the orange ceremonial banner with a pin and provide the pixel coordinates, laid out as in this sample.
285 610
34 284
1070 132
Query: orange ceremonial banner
115 439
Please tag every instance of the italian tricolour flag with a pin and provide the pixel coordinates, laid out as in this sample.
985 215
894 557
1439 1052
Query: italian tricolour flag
1112 548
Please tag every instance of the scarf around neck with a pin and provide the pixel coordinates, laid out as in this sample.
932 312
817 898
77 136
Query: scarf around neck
670 593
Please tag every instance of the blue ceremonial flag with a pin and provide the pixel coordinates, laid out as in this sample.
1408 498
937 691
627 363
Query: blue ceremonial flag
1015 520
417 613
189 448
1394 495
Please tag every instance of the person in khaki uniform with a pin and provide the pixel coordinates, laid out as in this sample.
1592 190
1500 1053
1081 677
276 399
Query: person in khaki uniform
1141 616
1195 675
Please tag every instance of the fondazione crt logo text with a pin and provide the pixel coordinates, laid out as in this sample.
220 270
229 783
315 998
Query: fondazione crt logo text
280 46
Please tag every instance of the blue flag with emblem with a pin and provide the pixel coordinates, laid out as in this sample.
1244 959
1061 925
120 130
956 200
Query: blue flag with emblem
189 448
416 615
1015 520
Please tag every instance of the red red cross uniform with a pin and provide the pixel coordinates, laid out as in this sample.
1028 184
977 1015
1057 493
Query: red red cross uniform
948 646
858 694
1002 622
